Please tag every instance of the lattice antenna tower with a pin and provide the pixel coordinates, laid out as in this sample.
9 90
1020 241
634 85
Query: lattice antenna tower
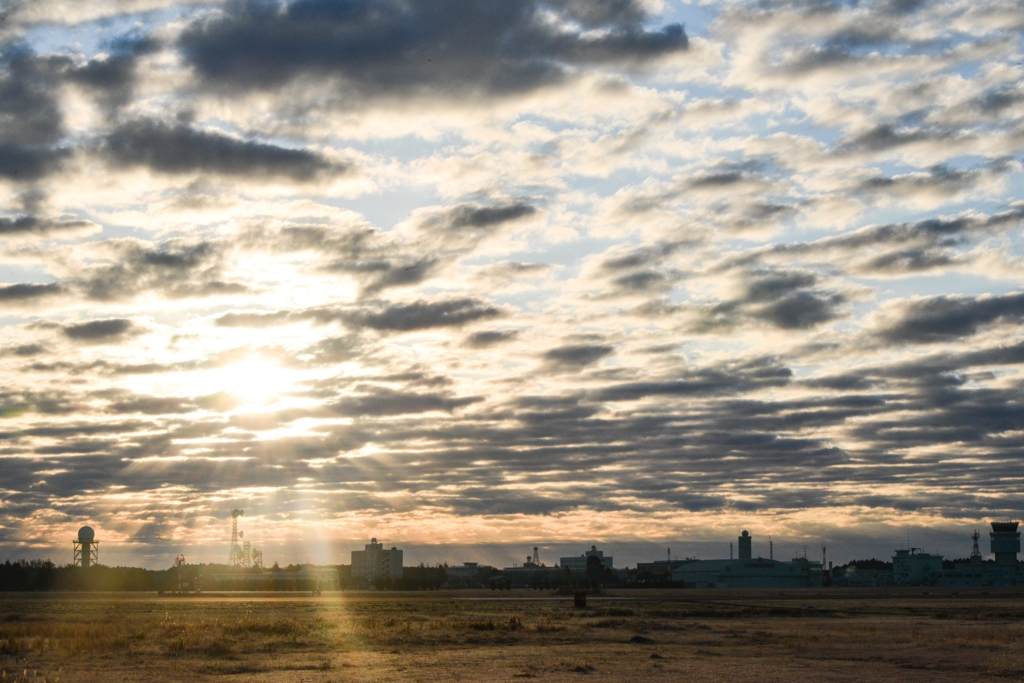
975 552
536 556
235 554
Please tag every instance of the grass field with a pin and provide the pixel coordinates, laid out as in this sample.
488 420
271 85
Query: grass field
824 635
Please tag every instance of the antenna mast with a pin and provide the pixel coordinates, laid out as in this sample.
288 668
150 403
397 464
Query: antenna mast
975 552
235 554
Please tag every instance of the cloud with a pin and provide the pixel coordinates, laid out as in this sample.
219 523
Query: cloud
99 330
26 292
487 338
576 356
180 148
383 401
408 317
485 217
946 318
43 227
421 315
451 48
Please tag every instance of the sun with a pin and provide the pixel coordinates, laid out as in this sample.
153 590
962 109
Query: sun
252 381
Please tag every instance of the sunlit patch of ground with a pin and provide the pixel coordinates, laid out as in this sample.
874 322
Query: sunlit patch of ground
918 635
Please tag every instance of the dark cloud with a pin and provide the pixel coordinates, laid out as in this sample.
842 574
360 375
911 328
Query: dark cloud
885 137
447 48
18 162
26 292
937 179
481 217
112 76
180 148
35 225
734 378
177 269
418 315
422 315
640 257
24 350
801 310
98 330
947 318
383 402
897 247
487 338
576 356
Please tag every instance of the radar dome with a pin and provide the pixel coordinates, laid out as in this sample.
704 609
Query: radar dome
86 534
745 533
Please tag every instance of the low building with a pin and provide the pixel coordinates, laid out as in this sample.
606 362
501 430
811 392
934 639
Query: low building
374 562
852 577
659 568
579 564
753 573
469 575
911 568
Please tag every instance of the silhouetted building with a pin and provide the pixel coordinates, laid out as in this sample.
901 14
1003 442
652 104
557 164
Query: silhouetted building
745 545
469 575
579 564
374 562
749 573
910 568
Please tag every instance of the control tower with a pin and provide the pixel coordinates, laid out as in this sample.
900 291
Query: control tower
745 540
1005 541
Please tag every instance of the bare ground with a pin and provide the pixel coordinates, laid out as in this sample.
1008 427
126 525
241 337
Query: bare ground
828 635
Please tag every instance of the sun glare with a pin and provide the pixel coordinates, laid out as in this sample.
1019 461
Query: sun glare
253 381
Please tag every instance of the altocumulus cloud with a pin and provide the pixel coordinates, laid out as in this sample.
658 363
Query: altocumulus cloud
501 269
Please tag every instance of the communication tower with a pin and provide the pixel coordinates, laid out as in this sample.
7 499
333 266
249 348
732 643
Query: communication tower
536 557
86 548
976 551
257 558
179 563
235 554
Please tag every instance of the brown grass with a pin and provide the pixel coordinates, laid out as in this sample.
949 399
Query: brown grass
445 637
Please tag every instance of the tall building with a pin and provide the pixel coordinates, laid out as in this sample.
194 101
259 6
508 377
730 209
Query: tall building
374 562
745 546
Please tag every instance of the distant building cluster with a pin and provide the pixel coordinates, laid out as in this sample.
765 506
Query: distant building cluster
910 567
378 566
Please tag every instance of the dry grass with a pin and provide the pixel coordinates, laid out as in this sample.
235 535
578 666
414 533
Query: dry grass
699 636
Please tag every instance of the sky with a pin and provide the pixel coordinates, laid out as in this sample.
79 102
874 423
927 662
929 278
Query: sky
471 276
